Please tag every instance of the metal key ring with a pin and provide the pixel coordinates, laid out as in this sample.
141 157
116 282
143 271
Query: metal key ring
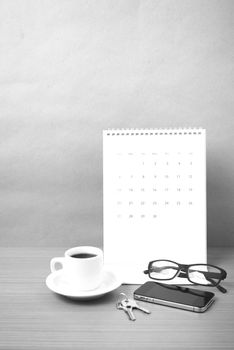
124 298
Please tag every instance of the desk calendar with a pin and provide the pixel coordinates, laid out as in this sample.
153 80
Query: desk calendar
154 198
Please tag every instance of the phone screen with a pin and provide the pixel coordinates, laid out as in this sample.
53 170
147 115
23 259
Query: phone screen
173 294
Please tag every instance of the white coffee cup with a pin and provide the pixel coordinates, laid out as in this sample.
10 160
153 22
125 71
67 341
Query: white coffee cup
82 266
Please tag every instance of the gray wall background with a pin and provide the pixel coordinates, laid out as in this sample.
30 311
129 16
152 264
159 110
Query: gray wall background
69 69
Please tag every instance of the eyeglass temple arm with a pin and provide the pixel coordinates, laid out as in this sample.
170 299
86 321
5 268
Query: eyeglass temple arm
207 274
212 274
158 269
219 287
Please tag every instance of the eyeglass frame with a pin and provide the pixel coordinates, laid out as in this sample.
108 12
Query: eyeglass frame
183 268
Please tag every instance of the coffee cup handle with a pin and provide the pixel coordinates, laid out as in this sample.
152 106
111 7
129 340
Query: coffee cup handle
55 261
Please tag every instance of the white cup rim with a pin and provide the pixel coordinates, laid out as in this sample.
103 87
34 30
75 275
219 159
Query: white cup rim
84 249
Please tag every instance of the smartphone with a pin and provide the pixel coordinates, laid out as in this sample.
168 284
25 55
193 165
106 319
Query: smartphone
175 296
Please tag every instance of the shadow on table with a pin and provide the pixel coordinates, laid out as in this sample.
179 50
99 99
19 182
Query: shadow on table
106 299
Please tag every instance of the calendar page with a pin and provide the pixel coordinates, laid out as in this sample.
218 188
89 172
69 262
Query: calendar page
154 199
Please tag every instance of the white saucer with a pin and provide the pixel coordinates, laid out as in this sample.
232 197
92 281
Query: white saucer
56 282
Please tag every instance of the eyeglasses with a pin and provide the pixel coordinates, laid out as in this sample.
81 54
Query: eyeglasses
200 274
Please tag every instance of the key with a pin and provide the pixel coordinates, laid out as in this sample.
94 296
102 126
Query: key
127 309
134 305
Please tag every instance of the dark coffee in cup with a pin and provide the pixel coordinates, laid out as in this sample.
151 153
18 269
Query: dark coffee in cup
83 255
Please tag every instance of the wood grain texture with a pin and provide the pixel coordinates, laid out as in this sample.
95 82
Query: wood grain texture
32 317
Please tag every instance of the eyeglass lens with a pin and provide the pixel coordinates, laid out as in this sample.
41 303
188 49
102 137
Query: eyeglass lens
204 274
163 270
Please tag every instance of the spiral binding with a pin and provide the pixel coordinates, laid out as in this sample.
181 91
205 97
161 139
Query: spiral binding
152 132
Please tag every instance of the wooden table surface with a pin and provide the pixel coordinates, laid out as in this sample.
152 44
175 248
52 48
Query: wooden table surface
32 317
